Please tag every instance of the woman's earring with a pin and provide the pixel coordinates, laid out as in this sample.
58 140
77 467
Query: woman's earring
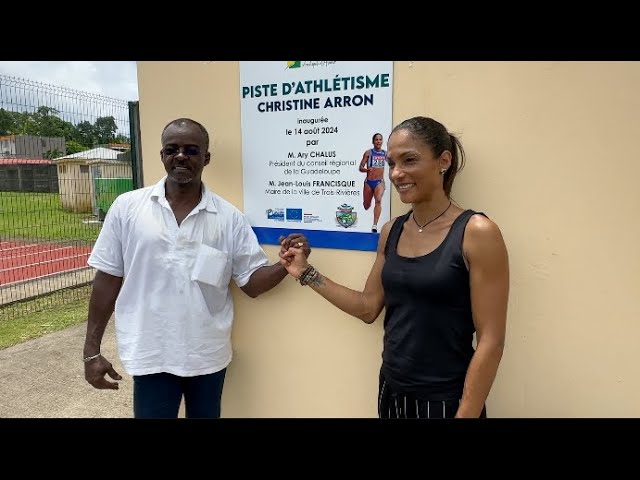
442 171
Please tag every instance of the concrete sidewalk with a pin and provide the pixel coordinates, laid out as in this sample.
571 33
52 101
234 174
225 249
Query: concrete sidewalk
44 378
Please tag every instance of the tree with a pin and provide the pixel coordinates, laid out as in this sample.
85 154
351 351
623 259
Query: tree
45 122
8 123
75 147
51 154
105 129
86 133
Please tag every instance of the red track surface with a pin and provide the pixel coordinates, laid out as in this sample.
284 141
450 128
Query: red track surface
25 261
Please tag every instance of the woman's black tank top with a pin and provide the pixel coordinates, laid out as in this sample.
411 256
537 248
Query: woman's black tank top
428 326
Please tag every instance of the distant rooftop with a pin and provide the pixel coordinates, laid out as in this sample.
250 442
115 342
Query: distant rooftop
100 153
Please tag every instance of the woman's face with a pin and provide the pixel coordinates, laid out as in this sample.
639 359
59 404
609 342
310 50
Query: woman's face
413 169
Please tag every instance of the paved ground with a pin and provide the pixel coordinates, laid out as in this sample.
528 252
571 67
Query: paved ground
44 378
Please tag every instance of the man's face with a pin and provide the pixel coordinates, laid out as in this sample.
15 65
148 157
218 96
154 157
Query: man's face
183 153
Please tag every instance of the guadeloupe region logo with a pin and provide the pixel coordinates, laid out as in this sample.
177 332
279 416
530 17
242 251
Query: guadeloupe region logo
293 64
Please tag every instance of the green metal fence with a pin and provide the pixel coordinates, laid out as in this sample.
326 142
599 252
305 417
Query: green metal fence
64 157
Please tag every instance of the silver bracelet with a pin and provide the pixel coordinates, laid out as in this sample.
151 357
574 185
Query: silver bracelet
88 359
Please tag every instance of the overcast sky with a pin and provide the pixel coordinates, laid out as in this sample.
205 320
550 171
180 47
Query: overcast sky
111 79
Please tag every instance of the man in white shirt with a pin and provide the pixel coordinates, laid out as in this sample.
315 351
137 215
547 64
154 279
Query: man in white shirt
165 257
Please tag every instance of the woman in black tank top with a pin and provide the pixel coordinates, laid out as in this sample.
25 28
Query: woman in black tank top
441 274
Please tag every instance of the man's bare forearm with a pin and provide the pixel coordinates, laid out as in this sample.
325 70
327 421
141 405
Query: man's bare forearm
101 305
264 279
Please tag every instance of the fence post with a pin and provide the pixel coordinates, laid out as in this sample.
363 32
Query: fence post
136 150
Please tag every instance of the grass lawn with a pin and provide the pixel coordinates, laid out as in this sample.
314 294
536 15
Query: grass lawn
39 216
23 321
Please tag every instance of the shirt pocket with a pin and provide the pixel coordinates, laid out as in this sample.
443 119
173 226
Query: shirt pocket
212 266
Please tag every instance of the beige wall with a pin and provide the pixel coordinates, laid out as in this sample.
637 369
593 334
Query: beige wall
552 157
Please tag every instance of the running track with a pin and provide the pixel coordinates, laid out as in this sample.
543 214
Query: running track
25 261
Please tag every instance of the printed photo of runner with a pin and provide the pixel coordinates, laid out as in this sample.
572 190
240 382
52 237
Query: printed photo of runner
373 161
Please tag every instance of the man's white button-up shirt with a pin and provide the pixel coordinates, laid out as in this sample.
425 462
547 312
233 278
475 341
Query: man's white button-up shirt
174 312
